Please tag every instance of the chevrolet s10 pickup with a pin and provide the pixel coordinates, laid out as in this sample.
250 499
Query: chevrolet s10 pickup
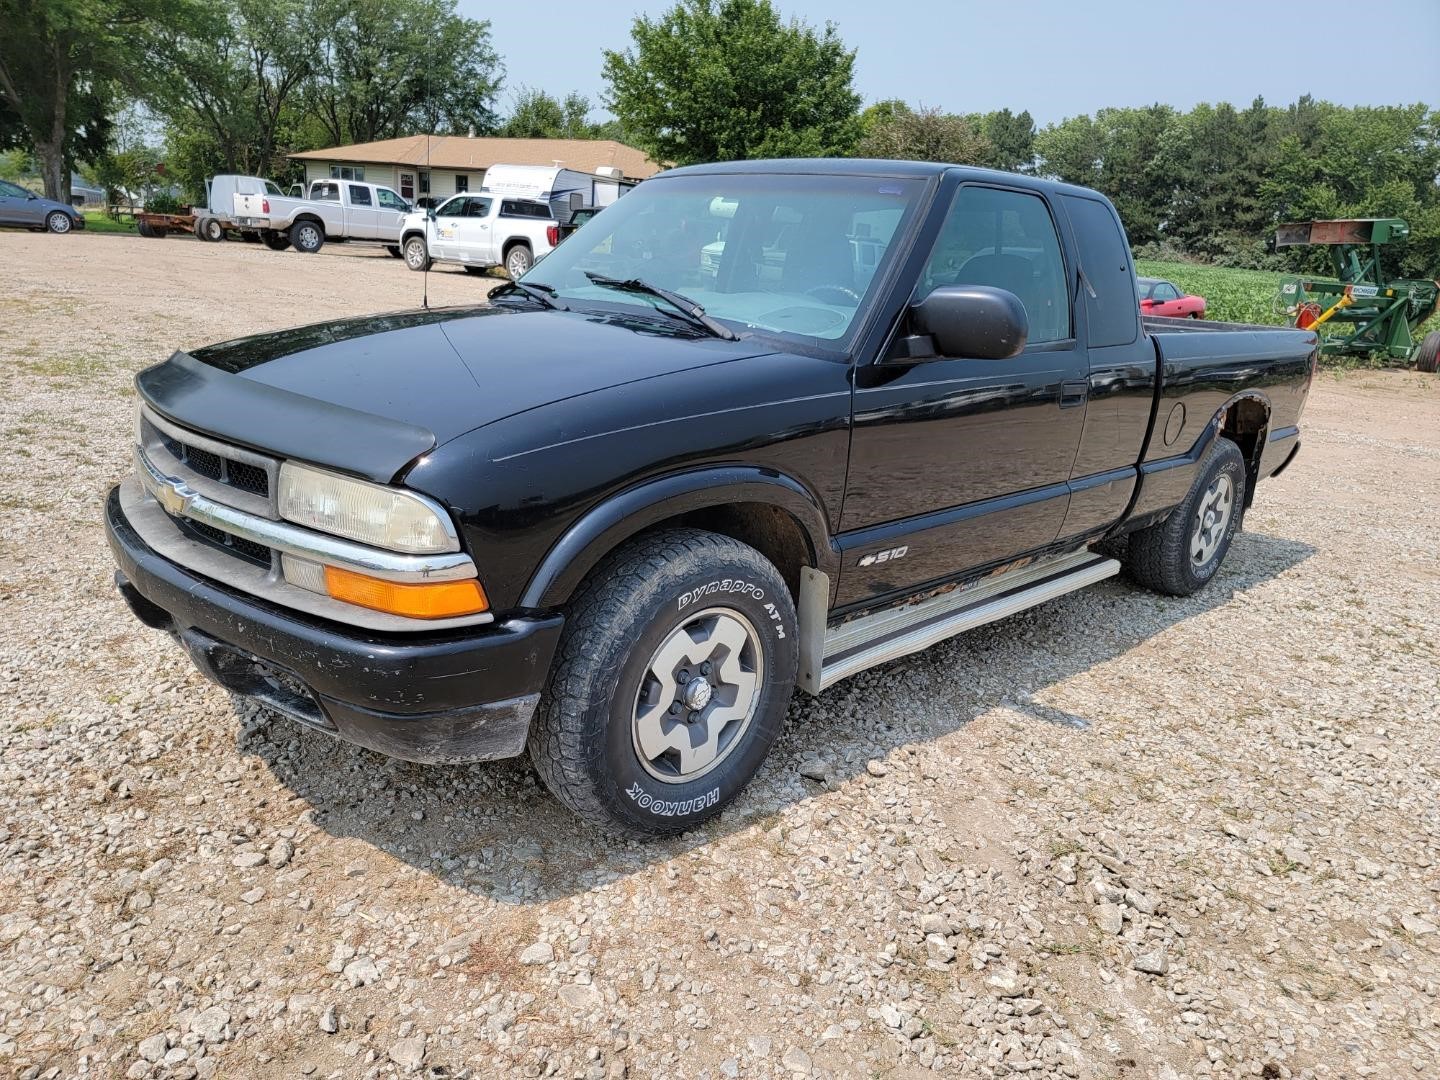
759 425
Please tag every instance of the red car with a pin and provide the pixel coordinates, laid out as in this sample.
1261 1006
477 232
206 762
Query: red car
1159 297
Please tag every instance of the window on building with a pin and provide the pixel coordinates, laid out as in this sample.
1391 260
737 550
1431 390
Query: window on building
407 186
1005 239
424 183
347 172
462 182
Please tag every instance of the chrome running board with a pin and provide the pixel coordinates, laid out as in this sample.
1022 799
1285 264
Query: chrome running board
851 647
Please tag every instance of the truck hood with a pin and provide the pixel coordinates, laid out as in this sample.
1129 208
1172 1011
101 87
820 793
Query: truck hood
369 395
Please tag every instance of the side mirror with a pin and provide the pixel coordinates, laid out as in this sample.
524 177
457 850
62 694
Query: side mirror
974 322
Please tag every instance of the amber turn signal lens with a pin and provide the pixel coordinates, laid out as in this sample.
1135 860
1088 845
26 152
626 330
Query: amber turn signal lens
432 600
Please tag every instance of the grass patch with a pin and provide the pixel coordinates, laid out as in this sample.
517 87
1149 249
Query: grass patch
101 222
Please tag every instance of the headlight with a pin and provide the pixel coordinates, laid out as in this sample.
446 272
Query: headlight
381 516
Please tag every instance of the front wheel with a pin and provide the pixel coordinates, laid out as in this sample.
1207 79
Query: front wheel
1179 555
59 222
417 254
518 260
669 685
307 237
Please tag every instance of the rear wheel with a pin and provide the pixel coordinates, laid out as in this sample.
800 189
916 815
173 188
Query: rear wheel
1181 554
59 222
1427 356
670 683
518 260
417 254
275 241
307 236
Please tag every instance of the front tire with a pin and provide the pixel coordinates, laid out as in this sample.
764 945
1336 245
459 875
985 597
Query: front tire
307 237
1179 556
417 253
58 222
670 683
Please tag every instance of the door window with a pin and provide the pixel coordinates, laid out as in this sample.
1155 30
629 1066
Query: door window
477 207
389 200
452 207
359 196
13 190
326 192
1165 292
1005 239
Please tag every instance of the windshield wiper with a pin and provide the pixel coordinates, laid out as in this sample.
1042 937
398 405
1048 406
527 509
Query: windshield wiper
693 312
535 291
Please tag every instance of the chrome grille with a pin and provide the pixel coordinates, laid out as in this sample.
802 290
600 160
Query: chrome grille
227 474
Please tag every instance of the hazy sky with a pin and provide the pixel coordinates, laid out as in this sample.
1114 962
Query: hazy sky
1056 59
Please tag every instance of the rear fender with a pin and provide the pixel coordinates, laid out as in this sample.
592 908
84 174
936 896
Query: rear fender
1164 482
611 523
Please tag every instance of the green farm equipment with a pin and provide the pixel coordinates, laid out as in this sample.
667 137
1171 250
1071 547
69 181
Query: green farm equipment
1372 313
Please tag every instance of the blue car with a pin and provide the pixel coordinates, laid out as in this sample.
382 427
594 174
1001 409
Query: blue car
19 206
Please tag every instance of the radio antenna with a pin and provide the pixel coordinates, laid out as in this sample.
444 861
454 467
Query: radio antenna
429 183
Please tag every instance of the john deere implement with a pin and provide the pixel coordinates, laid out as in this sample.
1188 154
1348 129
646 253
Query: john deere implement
1361 311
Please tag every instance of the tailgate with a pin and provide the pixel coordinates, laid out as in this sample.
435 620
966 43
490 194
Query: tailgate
250 209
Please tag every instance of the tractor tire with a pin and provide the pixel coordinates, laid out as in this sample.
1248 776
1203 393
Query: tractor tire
1427 356
670 683
275 241
1179 556
307 236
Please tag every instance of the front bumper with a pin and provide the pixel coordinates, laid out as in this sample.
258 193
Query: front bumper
456 695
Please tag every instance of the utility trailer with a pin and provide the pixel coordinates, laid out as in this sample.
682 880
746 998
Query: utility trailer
159 226
1381 314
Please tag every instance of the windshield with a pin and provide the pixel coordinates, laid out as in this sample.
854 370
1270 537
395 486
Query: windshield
792 255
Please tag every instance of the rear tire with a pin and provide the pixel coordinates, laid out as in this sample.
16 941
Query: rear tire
417 253
1427 356
307 236
518 260
670 683
1179 556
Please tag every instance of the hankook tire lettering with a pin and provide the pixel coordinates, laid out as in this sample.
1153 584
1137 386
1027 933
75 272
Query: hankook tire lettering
667 808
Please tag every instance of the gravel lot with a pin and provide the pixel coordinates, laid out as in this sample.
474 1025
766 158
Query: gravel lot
1118 836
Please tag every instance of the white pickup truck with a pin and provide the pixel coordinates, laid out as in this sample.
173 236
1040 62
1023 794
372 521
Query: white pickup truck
480 231
334 210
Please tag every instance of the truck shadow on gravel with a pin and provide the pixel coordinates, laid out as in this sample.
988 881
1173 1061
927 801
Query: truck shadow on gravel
492 829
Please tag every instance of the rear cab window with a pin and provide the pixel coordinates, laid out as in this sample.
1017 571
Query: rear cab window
1111 312
516 208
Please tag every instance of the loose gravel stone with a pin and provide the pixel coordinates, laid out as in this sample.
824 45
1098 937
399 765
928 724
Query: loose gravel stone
542 952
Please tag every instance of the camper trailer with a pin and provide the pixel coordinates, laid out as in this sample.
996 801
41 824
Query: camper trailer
566 190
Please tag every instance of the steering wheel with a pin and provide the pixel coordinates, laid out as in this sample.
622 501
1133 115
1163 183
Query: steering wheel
848 294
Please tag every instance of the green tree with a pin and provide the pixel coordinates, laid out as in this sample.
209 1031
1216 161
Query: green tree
1010 138
1072 150
925 135
713 80
387 68
538 115
60 61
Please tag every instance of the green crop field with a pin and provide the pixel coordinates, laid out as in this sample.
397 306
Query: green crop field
1246 296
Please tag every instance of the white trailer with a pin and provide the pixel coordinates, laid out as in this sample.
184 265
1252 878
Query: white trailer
566 190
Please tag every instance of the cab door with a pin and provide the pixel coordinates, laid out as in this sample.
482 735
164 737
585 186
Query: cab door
390 214
475 240
362 217
958 463
445 229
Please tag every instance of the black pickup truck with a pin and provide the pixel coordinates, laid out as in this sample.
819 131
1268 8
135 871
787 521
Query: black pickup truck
759 425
